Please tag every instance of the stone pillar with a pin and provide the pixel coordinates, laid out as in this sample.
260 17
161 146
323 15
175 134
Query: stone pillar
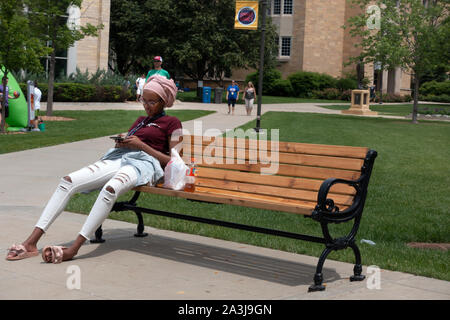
398 80
92 52
360 104
384 81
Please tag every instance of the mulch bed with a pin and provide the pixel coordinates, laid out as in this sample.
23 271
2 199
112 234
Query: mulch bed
52 118
44 118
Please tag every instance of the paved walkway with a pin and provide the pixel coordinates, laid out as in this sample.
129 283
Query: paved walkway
165 265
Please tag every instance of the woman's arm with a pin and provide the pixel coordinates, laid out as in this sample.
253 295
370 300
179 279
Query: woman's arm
134 142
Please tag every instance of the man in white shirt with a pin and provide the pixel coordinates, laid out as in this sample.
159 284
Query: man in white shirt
37 94
139 86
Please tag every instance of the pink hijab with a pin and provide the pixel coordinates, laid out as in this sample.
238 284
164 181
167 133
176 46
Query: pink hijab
165 88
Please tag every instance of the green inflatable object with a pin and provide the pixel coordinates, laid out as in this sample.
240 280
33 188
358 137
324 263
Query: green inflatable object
18 108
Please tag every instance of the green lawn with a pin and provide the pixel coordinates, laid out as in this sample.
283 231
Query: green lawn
191 96
400 109
88 124
407 199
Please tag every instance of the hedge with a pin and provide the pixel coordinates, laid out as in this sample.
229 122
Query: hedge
269 78
77 92
304 83
390 97
441 98
435 88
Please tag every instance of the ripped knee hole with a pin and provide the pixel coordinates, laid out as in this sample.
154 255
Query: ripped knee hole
110 190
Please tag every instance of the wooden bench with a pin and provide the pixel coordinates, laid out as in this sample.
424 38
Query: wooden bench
323 182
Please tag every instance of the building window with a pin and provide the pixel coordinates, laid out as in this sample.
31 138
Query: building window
277 7
61 57
286 46
60 64
287 8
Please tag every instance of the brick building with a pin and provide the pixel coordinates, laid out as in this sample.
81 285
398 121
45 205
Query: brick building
91 53
311 38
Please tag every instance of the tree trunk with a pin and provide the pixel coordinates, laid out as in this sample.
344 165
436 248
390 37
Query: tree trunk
51 81
2 125
416 99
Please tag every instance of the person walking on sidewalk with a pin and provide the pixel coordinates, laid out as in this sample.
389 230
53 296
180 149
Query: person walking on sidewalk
140 86
37 94
157 69
249 92
137 159
232 96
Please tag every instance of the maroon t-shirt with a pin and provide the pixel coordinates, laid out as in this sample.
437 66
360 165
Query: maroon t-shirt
156 134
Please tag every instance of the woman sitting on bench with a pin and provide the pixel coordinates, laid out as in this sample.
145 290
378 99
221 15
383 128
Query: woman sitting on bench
137 159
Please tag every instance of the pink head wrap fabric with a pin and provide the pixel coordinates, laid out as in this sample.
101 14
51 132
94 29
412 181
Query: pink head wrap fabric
163 87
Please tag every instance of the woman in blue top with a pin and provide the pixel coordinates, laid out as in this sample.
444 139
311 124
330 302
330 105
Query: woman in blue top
232 95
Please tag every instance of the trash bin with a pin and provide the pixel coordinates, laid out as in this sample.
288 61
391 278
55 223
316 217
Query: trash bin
206 95
218 92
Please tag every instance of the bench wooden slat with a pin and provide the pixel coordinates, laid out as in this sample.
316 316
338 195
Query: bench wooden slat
278 181
287 158
214 196
296 194
288 147
288 170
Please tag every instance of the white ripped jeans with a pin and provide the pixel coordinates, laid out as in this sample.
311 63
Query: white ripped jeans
106 174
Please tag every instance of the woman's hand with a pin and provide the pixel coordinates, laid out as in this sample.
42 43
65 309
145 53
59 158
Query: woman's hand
131 142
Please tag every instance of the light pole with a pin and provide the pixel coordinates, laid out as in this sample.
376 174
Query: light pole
261 64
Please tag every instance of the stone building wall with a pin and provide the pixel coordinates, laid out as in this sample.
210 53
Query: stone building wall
92 52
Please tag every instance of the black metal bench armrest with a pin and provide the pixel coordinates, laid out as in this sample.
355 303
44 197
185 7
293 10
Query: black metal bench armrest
327 210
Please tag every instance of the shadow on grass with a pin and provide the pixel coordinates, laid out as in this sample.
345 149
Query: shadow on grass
212 257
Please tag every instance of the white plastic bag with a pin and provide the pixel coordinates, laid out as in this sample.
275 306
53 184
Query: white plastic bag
175 172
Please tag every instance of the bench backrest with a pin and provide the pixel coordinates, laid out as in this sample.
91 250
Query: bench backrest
287 170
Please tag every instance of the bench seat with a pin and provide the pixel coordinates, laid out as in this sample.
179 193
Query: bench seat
293 188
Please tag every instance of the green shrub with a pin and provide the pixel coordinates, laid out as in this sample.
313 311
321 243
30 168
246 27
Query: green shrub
269 77
79 92
435 88
390 97
328 94
304 83
346 84
431 97
282 88
74 92
110 93
346 95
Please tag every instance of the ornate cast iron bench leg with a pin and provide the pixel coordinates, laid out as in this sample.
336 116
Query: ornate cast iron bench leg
140 228
98 236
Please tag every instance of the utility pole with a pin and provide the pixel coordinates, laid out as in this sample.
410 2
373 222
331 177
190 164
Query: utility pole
261 64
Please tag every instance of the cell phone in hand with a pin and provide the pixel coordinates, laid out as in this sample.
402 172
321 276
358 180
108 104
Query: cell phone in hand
117 138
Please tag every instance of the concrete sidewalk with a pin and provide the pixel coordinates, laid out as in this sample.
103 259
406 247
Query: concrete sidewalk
165 265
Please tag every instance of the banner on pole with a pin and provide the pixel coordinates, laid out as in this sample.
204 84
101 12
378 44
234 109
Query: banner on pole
246 15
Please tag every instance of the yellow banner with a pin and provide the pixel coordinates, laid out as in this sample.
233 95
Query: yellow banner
246 15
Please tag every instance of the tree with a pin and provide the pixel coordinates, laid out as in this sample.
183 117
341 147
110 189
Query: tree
413 35
196 37
18 49
49 21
